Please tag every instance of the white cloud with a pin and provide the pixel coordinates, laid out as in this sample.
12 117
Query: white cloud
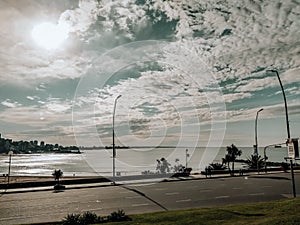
31 97
55 107
53 111
257 84
10 104
291 76
236 96
81 18
229 43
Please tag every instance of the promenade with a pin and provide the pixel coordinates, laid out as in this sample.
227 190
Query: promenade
39 183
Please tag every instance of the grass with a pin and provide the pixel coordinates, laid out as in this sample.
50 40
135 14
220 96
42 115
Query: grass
281 212
285 212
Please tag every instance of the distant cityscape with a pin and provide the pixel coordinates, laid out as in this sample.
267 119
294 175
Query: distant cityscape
31 147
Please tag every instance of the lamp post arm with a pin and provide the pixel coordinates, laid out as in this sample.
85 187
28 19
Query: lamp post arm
265 155
285 104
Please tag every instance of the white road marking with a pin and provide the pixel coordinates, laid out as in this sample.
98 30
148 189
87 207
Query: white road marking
160 189
205 190
141 185
184 200
172 193
255 194
287 195
131 197
237 188
95 209
125 192
224 196
137 205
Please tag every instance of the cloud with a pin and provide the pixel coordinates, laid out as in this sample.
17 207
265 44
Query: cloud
32 97
81 18
50 112
214 46
261 35
117 17
10 104
257 84
229 98
57 107
291 76
62 135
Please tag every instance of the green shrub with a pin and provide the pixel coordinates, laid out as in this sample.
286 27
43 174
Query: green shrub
117 216
89 218
72 219
92 218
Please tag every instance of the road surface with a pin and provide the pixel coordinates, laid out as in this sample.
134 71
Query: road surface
42 206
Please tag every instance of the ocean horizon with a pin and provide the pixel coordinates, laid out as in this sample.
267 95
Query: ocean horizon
131 161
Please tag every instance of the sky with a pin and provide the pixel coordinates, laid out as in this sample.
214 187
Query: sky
190 73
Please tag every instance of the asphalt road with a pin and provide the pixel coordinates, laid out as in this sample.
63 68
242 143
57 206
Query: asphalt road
42 206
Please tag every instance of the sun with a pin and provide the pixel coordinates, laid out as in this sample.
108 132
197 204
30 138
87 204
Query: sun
49 35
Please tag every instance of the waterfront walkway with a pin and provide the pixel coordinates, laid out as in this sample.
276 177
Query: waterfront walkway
18 184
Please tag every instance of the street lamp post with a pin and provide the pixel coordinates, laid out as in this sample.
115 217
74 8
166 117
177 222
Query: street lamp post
113 130
10 153
287 128
256 145
186 158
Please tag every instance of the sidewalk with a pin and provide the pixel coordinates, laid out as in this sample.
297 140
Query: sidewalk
32 184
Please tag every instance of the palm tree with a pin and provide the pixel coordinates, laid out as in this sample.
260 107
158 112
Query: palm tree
232 153
226 160
57 174
255 162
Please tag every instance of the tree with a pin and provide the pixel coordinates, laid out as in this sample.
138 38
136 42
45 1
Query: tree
57 174
255 162
227 160
232 153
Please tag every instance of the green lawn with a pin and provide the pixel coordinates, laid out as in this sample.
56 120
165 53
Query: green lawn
285 212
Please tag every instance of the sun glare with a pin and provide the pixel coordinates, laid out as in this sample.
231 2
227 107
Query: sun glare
49 35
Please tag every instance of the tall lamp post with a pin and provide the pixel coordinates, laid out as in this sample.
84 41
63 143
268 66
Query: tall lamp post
186 158
287 128
114 149
10 153
256 145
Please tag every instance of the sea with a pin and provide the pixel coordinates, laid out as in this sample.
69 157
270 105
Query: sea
131 161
